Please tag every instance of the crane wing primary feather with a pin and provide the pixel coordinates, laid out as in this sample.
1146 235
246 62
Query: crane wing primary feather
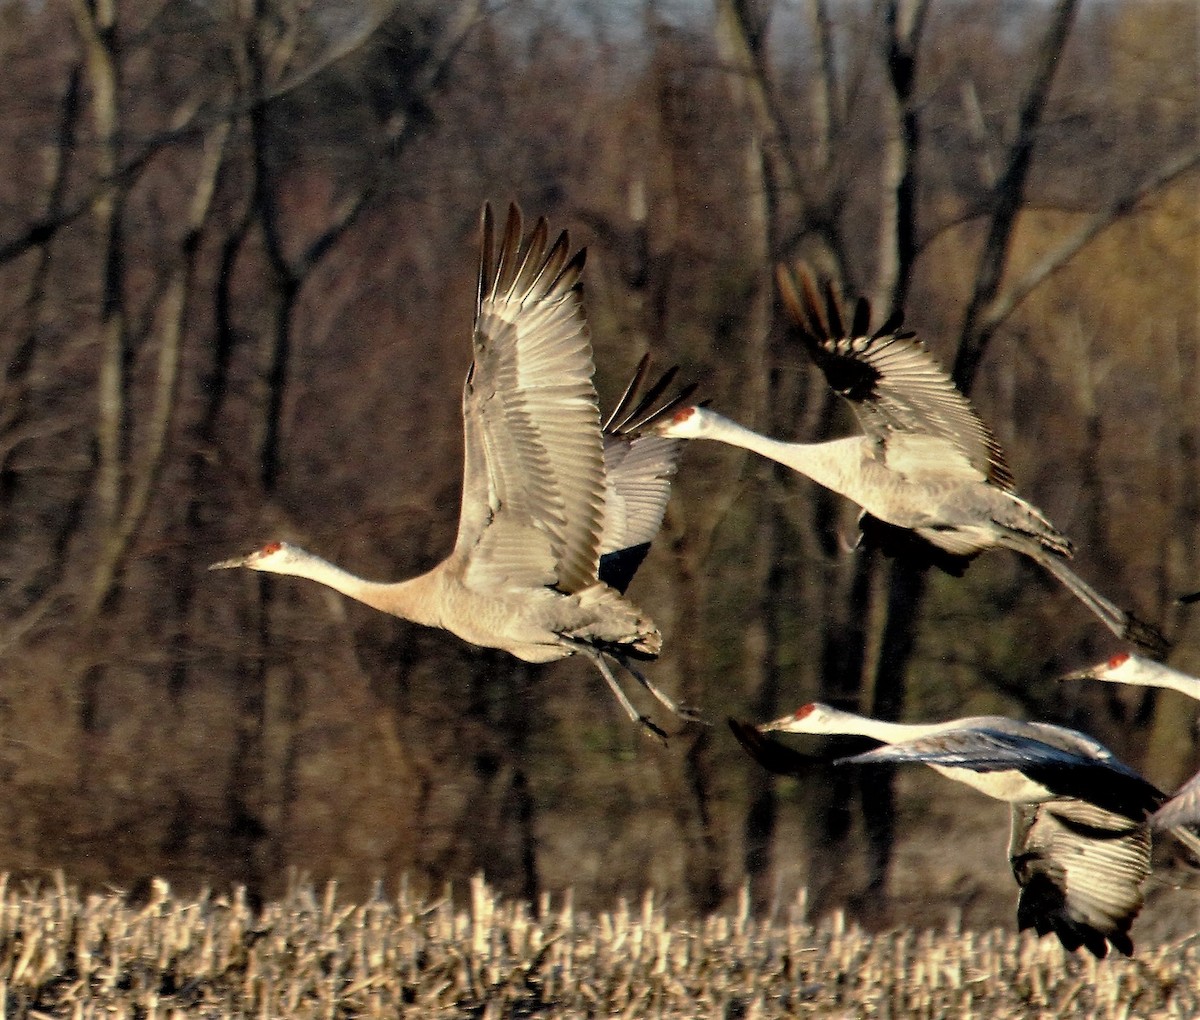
1081 871
638 468
893 383
1106 782
1182 809
533 484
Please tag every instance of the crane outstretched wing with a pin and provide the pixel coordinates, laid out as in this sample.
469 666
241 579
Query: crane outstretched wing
1107 782
638 468
1081 871
1182 809
533 479
897 389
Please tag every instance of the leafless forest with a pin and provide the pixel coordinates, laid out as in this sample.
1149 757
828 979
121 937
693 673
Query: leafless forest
237 258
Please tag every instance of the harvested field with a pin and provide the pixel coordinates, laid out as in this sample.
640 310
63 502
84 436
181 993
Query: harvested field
311 956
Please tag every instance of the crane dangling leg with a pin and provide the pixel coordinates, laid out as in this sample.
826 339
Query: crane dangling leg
684 712
644 720
681 711
1122 623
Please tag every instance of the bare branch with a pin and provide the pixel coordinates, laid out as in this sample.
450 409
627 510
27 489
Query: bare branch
898 215
145 473
1009 194
1004 304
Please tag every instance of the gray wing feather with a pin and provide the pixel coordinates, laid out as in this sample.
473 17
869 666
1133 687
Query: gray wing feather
890 378
533 485
1081 871
1182 809
639 464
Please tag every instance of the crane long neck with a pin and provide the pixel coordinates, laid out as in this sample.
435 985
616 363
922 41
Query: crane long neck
1173 679
411 599
879 729
825 463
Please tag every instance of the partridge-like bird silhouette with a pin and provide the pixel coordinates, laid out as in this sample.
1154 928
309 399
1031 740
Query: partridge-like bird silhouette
929 474
557 511
1080 843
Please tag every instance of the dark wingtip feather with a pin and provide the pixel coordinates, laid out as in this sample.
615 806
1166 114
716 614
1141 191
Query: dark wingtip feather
618 568
510 246
619 411
1147 637
802 303
861 323
786 283
833 310
814 314
486 253
892 325
578 260
634 411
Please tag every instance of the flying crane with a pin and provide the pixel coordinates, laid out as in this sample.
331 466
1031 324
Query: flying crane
929 474
557 510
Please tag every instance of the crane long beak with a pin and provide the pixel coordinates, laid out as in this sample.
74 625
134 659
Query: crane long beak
236 561
1080 674
781 723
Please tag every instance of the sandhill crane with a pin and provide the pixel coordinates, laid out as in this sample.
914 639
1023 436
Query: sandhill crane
929 474
1080 844
556 510
1184 807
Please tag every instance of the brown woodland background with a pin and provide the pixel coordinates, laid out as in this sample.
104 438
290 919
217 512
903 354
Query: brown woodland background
237 257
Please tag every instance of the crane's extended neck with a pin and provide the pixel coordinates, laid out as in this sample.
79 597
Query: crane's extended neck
818 718
826 463
1145 673
414 599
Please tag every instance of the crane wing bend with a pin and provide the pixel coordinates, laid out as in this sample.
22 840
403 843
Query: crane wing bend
1182 809
533 479
897 389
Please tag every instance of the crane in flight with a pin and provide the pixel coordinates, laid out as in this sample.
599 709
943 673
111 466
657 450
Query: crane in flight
1123 668
1080 842
928 473
557 511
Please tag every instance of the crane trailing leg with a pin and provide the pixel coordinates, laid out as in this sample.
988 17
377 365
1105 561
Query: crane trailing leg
1121 622
682 712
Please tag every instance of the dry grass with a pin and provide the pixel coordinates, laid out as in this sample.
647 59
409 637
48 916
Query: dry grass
311 956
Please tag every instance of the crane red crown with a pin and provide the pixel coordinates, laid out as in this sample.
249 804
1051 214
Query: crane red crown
804 710
683 414
1118 659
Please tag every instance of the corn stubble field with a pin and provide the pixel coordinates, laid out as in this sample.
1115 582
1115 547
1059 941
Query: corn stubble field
309 955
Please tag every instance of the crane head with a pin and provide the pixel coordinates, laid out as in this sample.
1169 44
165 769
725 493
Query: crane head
1119 668
811 718
270 557
688 422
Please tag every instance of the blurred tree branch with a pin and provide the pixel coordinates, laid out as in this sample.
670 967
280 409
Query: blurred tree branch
1006 302
1008 196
